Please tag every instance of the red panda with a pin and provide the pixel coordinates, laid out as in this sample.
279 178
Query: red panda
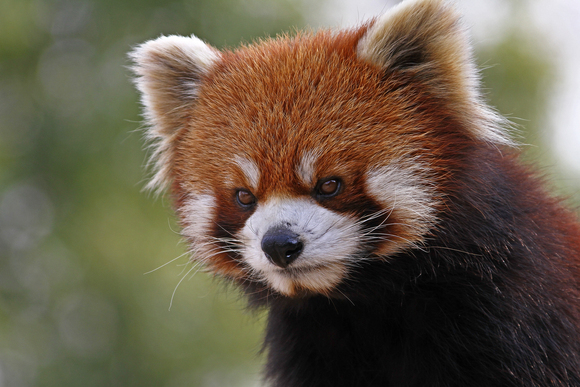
356 185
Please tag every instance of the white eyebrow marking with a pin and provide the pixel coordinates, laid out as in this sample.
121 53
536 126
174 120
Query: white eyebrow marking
250 170
306 169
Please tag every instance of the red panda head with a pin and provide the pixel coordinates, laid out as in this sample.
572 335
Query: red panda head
296 159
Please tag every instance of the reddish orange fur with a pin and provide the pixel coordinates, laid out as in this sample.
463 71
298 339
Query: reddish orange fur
326 91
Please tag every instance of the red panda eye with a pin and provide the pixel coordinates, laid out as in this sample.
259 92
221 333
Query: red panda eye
245 198
328 187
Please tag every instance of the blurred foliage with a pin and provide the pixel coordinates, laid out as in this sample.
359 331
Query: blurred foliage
77 233
518 80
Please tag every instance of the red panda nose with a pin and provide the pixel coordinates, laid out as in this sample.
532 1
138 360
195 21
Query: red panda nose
281 246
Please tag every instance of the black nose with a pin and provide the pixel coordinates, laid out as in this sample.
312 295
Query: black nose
281 246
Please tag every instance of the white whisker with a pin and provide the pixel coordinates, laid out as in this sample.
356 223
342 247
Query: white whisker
167 263
179 283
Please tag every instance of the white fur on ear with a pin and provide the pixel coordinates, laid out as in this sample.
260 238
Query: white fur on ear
169 71
428 38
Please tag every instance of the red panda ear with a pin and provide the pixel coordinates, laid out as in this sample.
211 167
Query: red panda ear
169 71
426 38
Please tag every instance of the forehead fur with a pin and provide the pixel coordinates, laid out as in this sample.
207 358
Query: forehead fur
405 81
276 101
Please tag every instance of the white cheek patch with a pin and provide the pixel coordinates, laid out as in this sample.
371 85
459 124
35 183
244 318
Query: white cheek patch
198 212
405 189
331 243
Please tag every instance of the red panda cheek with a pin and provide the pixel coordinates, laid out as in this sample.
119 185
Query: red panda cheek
374 220
209 224
405 191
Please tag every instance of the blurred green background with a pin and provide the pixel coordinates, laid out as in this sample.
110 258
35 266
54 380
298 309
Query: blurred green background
77 233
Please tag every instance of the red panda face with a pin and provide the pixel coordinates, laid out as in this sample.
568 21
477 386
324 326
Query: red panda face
302 175
295 160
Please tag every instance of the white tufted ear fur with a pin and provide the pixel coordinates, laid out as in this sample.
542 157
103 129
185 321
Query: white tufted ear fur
169 71
426 38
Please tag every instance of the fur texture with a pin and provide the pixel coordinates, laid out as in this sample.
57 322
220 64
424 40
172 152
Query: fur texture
356 185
